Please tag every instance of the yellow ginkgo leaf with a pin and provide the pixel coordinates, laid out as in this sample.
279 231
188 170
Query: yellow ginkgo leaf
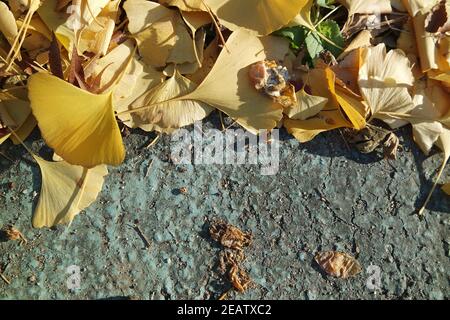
303 17
57 22
430 105
384 79
339 101
210 55
306 130
184 48
96 38
112 66
196 20
338 97
227 86
352 106
190 67
142 14
78 125
171 115
66 190
161 33
306 106
261 17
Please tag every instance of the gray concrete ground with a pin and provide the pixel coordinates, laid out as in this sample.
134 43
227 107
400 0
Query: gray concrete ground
325 197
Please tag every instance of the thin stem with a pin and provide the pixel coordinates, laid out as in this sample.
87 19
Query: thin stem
327 15
422 209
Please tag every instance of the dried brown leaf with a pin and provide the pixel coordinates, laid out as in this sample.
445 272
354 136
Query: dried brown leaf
338 264
55 61
229 236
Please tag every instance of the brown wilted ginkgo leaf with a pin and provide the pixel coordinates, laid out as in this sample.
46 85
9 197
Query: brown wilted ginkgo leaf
261 17
78 125
338 264
66 190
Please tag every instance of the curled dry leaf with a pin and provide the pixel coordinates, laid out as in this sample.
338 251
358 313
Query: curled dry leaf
79 126
66 190
370 138
239 278
433 50
229 236
11 233
234 241
338 264
438 20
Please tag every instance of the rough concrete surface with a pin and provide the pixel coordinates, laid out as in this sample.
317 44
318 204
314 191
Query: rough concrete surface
324 197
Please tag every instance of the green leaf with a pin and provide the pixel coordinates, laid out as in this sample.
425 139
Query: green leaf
296 35
314 45
330 30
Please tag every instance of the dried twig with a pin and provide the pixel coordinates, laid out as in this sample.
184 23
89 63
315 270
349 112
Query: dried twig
142 236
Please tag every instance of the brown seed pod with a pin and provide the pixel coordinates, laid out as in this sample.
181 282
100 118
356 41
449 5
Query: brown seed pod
338 264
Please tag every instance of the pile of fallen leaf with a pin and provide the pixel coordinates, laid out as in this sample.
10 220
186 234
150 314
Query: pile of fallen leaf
83 70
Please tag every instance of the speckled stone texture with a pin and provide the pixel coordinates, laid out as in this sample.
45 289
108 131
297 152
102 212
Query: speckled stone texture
324 197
